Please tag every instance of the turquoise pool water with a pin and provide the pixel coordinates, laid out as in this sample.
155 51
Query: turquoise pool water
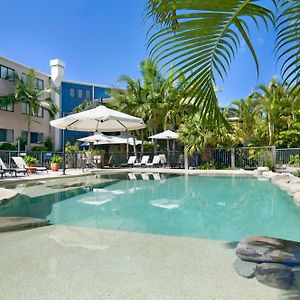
213 207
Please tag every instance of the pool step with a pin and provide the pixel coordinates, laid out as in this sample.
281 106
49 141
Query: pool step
20 223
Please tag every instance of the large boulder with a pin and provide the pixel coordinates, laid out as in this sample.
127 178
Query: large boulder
6 194
245 268
269 250
275 275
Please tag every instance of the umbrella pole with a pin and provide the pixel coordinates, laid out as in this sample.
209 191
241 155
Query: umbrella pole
127 146
168 150
64 153
134 145
142 146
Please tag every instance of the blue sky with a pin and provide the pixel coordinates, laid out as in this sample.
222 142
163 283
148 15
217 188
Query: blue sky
101 40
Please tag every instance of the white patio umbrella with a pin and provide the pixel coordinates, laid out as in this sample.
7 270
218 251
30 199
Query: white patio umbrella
97 137
100 118
102 139
166 135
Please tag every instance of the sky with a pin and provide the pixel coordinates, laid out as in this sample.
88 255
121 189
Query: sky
101 40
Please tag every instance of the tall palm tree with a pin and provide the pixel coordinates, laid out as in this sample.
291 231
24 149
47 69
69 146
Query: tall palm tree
273 98
201 39
33 97
246 110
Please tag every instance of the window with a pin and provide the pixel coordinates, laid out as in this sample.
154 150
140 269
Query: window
39 83
6 135
25 111
87 94
72 92
7 73
35 137
80 93
8 107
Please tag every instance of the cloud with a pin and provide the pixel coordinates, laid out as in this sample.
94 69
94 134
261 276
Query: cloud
260 40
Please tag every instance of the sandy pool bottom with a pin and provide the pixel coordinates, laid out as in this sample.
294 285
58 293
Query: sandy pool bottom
64 262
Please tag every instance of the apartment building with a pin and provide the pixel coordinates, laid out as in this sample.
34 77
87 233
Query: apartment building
13 118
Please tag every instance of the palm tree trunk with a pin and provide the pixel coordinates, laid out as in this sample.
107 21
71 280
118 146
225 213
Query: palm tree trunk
28 132
271 133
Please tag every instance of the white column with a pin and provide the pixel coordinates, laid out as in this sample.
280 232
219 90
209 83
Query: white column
57 75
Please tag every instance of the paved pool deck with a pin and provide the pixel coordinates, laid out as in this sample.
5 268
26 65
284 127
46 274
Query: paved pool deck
65 262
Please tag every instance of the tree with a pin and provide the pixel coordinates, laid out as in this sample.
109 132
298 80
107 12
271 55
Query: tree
247 112
85 105
201 39
33 97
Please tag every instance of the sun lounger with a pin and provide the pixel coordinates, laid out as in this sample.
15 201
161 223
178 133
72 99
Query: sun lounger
155 161
143 162
20 163
163 160
12 170
130 162
2 173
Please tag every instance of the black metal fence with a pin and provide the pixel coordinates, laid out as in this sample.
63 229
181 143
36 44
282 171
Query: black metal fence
244 158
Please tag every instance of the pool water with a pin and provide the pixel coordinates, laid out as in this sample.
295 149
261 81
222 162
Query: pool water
212 207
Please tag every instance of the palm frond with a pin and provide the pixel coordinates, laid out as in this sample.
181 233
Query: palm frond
201 37
288 40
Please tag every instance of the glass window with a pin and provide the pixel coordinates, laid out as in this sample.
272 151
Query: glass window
7 73
80 93
88 94
35 137
25 111
72 92
6 135
39 83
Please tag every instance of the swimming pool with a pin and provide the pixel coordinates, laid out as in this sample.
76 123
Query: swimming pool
212 207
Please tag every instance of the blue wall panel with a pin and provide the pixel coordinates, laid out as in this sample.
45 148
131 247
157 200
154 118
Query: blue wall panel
68 103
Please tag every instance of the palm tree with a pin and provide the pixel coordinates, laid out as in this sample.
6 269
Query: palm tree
201 39
247 111
33 97
273 99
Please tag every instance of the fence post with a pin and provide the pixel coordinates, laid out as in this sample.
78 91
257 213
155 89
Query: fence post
273 154
186 159
232 152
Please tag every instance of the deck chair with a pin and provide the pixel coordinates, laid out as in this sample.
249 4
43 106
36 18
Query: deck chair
12 170
143 162
2 173
163 160
20 163
130 162
155 162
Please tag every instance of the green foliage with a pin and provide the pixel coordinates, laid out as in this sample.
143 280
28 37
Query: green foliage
31 160
48 144
85 105
72 149
8 147
264 159
148 146
294 160
56 159
38 149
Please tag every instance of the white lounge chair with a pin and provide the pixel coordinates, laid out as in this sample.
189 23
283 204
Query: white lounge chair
12 170
163 160
155 161
20 163
143 162
130 162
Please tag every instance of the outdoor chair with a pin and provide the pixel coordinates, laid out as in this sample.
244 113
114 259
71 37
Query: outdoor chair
155 162
163 160
130 162
143 162
11 170
20 163
2 173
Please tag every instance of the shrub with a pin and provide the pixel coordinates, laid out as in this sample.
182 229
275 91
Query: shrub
30 160
7 146
56 159
294 160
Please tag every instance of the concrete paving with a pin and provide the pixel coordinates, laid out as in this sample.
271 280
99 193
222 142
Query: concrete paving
64 262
